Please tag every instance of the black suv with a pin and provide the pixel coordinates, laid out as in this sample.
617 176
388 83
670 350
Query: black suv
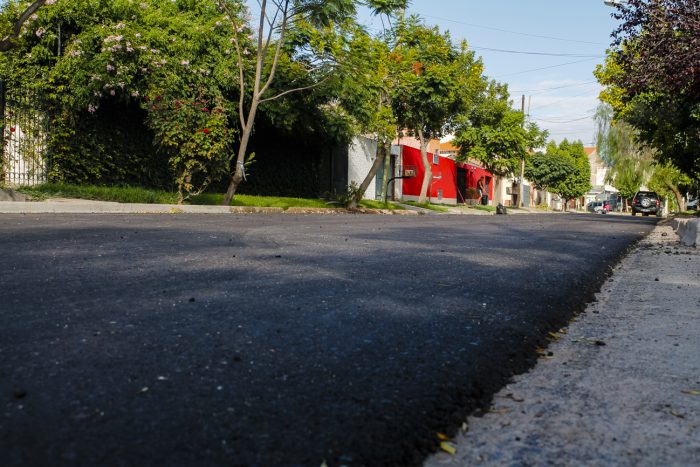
646 202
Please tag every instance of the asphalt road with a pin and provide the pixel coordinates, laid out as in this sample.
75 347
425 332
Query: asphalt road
276 340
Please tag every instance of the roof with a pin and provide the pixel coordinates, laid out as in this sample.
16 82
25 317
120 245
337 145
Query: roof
589 151
448 146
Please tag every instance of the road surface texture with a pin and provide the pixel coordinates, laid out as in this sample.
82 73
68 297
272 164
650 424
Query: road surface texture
276 339
621 387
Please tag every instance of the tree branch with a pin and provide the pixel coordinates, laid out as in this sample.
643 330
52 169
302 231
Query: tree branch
9 41
289 91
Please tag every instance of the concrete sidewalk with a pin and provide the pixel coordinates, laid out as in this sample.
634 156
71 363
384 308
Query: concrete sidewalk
619 386
83 206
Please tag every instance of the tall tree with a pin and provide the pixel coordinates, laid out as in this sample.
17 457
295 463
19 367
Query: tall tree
652 77
431 87
629 161
548 170
577 182
368 76
668 181
270 43
496 135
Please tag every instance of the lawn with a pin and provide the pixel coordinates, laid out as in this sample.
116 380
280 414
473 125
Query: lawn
146 196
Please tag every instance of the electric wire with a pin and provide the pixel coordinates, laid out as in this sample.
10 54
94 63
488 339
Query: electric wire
535 91
546 54
510 31
544 68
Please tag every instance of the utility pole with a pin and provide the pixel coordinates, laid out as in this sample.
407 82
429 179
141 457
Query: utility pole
521 192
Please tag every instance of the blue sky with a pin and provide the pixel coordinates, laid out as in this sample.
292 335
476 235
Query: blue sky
577 28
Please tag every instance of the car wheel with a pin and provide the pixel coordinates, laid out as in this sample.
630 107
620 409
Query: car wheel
634 213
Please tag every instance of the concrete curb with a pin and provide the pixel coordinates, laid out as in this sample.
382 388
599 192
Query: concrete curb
76 206
687 230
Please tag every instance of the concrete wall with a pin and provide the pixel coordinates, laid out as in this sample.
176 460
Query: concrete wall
361 155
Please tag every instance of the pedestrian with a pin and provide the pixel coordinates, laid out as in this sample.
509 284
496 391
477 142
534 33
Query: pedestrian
481 189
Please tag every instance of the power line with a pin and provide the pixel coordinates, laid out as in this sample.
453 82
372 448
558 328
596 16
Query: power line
544 68
564 121
512 32
547 54
563 100
552 89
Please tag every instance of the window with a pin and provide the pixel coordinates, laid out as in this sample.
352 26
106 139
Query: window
436 158
439 195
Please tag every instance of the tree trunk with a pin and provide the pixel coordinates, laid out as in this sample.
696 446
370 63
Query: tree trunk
385 179
428 174
382 150
237 177
678 195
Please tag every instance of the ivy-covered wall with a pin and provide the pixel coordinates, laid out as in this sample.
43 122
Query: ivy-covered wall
112 146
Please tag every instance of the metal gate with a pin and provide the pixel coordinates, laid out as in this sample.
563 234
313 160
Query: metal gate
24 157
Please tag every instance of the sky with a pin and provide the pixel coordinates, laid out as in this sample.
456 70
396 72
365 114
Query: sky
561 93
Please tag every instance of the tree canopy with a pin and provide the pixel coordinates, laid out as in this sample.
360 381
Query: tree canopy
495 134
652 77
568 158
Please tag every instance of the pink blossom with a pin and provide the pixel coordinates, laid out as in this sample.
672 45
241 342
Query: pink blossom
112 92
91 108
110 67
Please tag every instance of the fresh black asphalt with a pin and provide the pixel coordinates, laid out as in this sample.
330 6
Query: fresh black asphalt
276 340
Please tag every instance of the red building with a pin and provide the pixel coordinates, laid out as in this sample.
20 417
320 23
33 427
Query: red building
452 182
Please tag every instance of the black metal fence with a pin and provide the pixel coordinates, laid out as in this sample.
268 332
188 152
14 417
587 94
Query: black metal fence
24 156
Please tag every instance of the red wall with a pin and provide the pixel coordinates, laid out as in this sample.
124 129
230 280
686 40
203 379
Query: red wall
444 175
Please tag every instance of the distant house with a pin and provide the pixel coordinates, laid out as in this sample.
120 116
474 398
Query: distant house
452 182
599 171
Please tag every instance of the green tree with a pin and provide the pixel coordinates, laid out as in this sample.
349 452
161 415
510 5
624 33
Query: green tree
496 135
430 92
363 82
257 63
12 28
577 182
629 161
651 77
548 170
150 54
668 181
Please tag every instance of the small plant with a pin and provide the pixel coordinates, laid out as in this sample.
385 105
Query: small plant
344 199
194 133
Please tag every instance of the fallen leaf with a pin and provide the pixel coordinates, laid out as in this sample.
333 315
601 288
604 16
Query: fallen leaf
676 414
692 392
448 448
465 427
499 411
442 437
553 335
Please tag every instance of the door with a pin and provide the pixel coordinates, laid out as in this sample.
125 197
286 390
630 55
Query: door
461 185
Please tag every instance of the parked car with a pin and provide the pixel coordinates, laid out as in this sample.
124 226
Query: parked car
611 204
692 204
646 202
598 206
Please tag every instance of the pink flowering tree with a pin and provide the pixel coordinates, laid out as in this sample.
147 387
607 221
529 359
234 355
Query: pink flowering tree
119 51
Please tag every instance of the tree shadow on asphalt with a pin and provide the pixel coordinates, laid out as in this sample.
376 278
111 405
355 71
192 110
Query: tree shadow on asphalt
283 345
